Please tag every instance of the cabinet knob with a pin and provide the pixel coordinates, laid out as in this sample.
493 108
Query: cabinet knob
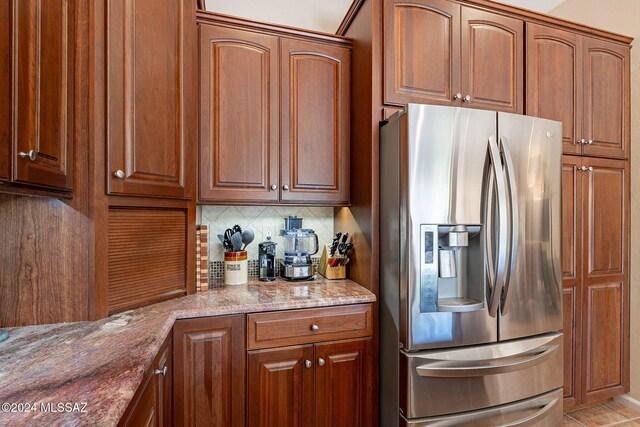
582 141
119 174
590 169
285 187
584 168
31 155
274 187
162 372
590 141
467 98
315 328
308 363
320 361
457 96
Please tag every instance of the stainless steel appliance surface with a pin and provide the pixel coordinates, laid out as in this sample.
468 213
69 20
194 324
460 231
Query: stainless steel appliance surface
470 270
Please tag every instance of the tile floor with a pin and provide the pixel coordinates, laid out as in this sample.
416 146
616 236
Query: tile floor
607 414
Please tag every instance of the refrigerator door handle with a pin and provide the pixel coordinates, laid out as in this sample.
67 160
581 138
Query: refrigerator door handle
535 417
498 285
479 368
514 221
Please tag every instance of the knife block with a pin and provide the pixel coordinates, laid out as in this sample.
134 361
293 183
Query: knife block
324 266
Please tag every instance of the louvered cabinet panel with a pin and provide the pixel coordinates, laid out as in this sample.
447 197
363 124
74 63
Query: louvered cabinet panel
147 256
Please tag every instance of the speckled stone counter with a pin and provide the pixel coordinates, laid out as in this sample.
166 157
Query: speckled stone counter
102 363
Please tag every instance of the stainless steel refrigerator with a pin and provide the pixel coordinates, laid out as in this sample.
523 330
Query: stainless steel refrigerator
470 269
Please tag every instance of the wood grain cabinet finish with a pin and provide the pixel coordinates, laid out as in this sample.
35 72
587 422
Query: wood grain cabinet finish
6 89
239 124
605 208
43 50
584 83
315 87
151 405
280 387
151 112
439 52
209 373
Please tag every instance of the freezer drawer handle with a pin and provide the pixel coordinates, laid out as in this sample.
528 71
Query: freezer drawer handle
535 417
480 368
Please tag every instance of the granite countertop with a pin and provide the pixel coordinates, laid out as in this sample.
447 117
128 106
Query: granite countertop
100 364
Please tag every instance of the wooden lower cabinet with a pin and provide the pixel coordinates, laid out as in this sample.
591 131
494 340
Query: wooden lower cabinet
595 279
209 376
324 384
151 406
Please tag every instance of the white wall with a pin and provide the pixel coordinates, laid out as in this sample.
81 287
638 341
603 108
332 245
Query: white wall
319 15
622 16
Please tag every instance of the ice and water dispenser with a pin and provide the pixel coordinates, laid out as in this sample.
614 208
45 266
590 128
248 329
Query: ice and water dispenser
453 274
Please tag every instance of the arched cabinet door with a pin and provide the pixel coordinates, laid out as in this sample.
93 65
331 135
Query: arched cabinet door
314 114
492 61
239 129
606 99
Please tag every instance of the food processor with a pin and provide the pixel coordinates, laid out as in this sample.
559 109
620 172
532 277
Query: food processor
299 245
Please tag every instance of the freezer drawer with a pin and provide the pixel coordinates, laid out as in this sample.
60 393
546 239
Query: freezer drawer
449 381
540 411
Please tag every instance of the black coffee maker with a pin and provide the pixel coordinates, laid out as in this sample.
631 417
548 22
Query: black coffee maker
267 261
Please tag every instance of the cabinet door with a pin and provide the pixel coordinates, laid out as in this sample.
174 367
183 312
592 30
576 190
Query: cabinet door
145 410
280 387
151 122
572 275
421 52
239 123
164 378
606 99
606 288
43 92
554 81
343 385
492 61
5 88
315 133
209 371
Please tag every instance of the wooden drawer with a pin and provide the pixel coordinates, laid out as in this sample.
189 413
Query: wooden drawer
294 327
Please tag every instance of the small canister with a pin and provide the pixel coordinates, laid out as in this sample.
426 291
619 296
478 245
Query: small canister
236 269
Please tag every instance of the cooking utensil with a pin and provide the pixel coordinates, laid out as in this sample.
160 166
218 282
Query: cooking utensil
228 246
237 229
247 237
221 237
236 241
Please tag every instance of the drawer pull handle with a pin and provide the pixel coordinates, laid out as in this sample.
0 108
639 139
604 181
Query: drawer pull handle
320 361
162 372
308 363
315 328
31 155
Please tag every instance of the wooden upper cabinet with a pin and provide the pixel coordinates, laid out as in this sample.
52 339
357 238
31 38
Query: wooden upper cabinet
280 387
315 122
5 88
492 61
343 383
554 81
209 372
606 98
239 125
421 51
606 278
572 275
151 79
43 44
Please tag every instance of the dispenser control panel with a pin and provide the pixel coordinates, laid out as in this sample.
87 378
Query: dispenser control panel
429 268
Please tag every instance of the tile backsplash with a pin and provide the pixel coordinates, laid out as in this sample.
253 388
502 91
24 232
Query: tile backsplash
260 219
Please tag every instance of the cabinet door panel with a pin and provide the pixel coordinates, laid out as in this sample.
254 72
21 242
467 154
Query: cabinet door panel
315 122
43 43
492 61
605 341
421 51
554 81
606 99
343 384
280 390
572 275
145 411
5 88
150 114
238 115
209 366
